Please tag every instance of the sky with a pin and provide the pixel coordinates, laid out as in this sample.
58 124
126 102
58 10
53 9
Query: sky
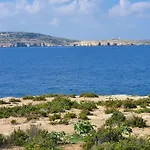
78 19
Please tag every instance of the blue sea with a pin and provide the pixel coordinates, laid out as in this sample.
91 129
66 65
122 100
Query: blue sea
102 70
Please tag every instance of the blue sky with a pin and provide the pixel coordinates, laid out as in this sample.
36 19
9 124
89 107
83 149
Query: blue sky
78 19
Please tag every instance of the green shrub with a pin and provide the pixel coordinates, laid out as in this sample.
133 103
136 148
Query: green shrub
55 117
14 122
83 127
64 121
1 140
124 144
39 98
117 118
75 138
46 141
136 122
72 95
143 110
18 138
87 105
83 115
110 110
14 100
103 135
28 97
143 101
3 102
129 104
54 95
70 115
90 95
60 104
32 117
112 103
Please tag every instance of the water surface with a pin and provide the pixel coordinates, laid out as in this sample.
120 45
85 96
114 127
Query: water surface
103 70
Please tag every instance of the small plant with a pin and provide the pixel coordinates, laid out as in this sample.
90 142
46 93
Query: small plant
136 122
110 110
55 117
143 110
72 95
88 105
83 115
1 140
39 98
32 117
18 138
75 138
14 100
116 119
64 121
91 95
70 115
14 122
129 104
3 102
28 97
83 127
112 103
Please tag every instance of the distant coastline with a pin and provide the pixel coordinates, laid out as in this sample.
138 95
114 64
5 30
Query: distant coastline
26 39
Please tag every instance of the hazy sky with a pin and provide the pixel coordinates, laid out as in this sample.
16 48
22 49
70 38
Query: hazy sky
78 19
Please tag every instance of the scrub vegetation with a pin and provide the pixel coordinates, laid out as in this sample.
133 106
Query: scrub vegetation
116 132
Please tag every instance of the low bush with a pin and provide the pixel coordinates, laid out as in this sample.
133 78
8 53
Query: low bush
32 117
83 127
117 118
55 117
54 95
72 95
39 98
18 138
60 104
87 105
14 100
1 140
3 102
129 104
35 139
110 110
83 115
64 121
70 115
28 97
90 95
14 122
103 135
143 110
125 144
136 122
112 103
75 138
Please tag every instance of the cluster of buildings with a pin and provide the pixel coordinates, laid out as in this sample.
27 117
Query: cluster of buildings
22 44
109 43
80 43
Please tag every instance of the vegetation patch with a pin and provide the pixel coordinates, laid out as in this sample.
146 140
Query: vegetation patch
13 122
136 122
14 100
117 118
91 95
3 102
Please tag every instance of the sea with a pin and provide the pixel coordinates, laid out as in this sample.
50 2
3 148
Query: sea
104 70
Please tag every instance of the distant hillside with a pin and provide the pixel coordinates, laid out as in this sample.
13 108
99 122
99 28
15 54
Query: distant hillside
13 38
